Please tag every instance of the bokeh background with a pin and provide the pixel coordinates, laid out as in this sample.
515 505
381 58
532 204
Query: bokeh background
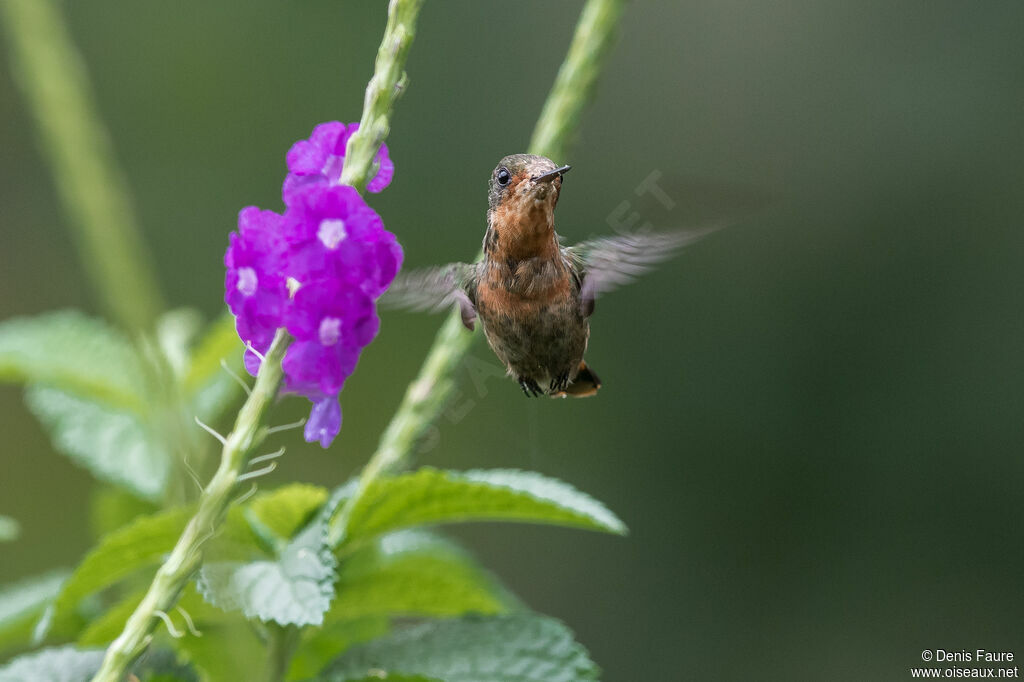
811 422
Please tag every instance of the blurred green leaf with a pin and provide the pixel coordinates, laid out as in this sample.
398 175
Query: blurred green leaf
228 651
59 664
113 444
430 496
111 508
285 510
415 573
518 647
143 543
10 529
108 626
68 350
321 645
295 588
208 388
21 603
175 331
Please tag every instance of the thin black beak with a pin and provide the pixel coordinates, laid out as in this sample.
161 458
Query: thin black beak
551 175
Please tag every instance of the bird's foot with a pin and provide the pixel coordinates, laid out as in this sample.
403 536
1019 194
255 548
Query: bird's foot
559 383
530 387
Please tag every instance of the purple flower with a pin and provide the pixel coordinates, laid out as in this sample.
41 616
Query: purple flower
254 286
317 271
320 159
333 234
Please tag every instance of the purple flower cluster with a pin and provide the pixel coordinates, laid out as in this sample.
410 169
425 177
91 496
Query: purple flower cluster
316 270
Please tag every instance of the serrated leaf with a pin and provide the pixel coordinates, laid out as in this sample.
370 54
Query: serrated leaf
69 350
294 589
59 664
229 651
142 544
208 388
430 496
518 647
113 444
290 507
22 602
321 645
108 626
10 529
415 573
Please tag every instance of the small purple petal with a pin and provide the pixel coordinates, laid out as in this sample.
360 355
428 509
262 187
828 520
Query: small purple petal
324 421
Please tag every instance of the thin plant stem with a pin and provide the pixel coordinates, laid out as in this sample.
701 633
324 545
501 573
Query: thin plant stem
382 92
91 187
282 641
428 394
385 87
187 555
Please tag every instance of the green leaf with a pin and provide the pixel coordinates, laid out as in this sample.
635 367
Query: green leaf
104 629
229 651
111 508
10 529
208 388
520 647
142 544
21 603
60 664
414 573
321 645
294 589
69 350
430 496
285 510
113 444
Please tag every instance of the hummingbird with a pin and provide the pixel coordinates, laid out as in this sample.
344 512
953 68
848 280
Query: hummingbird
534 296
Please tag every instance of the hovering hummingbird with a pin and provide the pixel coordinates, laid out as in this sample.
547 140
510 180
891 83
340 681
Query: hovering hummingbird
534 296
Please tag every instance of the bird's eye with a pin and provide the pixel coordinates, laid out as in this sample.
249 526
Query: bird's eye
503 176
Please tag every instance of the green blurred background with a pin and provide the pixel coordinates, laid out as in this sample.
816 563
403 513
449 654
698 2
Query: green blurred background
811 422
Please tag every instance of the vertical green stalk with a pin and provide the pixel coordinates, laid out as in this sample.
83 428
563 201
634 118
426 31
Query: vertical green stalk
187 555
53 78
385 87
429 392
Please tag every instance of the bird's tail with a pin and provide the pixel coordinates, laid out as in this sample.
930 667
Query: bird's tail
585 384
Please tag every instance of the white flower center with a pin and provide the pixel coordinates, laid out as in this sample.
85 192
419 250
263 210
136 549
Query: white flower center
330 330
331 232
247 281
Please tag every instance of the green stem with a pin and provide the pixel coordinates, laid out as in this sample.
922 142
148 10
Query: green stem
428 394
385 87
281 645
185 559
92 189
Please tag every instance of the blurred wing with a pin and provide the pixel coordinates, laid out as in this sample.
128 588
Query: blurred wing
433 290
610 262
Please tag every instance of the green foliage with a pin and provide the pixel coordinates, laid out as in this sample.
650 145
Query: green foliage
518 647
21 603
10 529
415 573
430 496
68 350
60 664
285 510
138 545
114 445
293 588
322 645
208 389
